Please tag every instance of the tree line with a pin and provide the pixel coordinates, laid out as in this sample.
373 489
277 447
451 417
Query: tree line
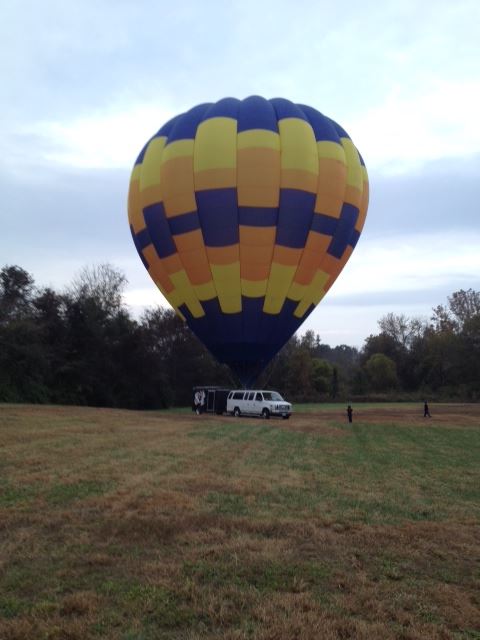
82 346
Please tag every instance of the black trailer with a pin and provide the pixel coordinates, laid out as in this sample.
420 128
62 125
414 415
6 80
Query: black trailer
208 399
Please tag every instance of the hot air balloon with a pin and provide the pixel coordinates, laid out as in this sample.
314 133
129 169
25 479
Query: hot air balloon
244 212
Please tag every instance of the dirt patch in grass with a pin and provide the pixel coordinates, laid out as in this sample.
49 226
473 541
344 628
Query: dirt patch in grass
145 525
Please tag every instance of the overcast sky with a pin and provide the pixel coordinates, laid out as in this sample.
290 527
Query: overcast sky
85 83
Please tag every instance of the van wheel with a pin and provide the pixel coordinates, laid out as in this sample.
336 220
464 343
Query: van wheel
236 412
266 414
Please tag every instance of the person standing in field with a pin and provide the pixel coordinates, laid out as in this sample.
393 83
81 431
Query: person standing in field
426 410
350 413
199 401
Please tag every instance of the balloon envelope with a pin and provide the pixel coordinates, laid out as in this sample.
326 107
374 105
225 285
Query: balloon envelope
244 212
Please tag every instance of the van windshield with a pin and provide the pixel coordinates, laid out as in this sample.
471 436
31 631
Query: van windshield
272 395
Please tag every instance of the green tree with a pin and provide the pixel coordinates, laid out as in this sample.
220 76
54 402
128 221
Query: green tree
16 290
24 362
382 372
462 307
335 383
322 373
299 383
103 284
181 357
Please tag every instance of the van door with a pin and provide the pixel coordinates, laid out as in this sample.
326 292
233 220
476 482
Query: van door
235 401
257 404
249 404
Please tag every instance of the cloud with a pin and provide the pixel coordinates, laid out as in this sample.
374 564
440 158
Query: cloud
407 130
407 274
442 195
92 83
103 141
62 220
410 263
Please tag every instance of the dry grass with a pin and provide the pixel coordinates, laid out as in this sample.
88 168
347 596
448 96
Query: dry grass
135 526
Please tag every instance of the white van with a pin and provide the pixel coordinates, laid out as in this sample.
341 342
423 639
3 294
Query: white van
257 403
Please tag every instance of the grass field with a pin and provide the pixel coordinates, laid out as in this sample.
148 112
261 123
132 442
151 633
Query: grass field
135 526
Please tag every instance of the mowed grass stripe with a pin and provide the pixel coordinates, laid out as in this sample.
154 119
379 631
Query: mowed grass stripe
373 473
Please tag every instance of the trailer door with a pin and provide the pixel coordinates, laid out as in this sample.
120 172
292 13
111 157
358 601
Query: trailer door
211 401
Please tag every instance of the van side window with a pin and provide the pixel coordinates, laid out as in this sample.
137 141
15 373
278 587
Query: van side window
258 397
238 395
251 395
